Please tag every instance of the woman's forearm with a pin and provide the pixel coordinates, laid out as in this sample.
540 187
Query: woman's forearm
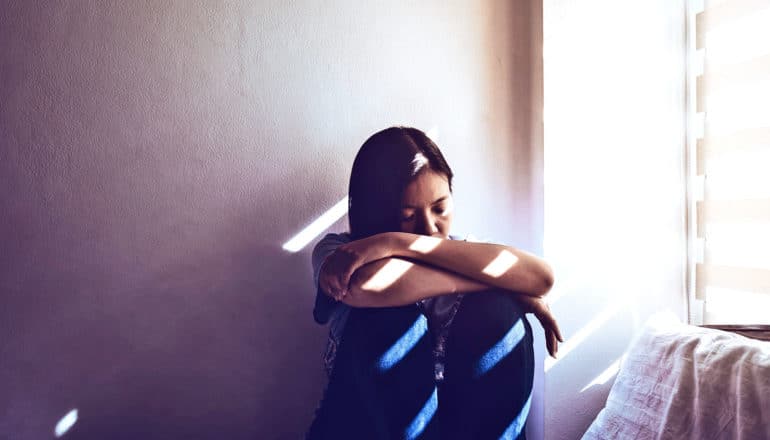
490 264
391 282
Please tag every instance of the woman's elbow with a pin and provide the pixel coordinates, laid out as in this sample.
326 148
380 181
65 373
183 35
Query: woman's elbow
357 295
538 281
545 281
356 298
371 285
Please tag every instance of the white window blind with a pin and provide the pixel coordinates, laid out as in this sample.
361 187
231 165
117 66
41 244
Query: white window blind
731 72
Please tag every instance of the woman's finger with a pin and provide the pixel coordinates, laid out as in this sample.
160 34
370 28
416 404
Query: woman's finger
331 288
344 279
343 273
556 331
549 343
554 344
548 320
327 279
553 325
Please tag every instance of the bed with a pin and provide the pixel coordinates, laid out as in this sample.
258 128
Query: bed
679 381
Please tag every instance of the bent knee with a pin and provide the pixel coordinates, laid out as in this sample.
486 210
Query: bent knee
497 305
488 317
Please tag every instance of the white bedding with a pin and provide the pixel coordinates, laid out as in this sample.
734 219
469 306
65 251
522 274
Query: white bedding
685 382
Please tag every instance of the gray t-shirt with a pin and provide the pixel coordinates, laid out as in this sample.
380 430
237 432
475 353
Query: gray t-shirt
438 310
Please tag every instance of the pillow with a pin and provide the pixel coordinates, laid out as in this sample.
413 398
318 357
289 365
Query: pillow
679 381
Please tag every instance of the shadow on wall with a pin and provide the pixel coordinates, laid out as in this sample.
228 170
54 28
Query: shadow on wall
142 281
178 356
182 354
154 160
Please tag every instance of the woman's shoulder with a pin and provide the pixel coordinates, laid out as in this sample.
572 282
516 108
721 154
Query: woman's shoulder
336 238
329 243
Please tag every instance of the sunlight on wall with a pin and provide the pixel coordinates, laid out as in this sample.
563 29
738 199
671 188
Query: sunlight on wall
317 227
605 375
581 335
614 183
66 422
560 289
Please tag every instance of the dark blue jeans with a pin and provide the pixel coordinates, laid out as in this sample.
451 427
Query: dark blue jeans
383 386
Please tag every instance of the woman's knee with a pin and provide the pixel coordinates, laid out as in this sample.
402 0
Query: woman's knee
489 366
490 313
387 351
386 337
488 326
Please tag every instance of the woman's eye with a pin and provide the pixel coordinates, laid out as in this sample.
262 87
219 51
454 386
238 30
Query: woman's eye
407 218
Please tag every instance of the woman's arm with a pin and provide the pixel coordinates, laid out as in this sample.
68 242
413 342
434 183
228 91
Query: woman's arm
393 282
489 264
492 264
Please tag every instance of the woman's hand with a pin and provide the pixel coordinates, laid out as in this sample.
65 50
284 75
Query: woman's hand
538 307
339 266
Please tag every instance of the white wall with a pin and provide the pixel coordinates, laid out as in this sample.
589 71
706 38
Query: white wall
614 194
157 155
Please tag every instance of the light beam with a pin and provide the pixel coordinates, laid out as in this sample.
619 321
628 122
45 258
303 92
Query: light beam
305 236
66 422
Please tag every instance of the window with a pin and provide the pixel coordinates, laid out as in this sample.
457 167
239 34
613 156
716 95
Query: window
729 161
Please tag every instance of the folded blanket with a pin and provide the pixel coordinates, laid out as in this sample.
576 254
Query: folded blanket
685 382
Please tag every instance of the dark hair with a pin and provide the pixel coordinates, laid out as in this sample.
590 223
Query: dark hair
384 166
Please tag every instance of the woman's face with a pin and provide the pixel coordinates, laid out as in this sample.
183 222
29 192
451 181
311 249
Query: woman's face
426 208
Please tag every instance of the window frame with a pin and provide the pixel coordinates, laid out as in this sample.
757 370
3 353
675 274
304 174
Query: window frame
694 126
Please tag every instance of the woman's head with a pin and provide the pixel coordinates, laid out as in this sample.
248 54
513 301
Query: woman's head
400 182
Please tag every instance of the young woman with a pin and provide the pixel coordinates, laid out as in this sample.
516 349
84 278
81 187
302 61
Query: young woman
428 337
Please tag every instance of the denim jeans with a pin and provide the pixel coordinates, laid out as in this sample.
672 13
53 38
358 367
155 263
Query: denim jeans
383 384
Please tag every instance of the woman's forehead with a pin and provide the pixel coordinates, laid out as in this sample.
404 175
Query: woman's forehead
427 188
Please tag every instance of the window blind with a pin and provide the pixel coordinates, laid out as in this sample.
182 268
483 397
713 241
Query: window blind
732 161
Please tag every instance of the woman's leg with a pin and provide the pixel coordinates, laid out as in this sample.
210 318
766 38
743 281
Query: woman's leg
382 385
489 369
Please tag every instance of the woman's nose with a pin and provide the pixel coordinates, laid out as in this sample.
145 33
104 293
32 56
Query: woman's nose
426 225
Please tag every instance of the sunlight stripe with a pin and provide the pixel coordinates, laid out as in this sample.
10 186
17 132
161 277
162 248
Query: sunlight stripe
501 349
605 375
583 334
66 423
305 236
423 417
404 344
517 425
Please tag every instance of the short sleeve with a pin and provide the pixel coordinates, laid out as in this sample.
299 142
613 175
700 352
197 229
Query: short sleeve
325 306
